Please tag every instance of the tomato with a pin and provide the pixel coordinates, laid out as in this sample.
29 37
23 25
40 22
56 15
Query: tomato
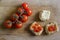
36 30
23 18
25 5
18 24
52 28
37 27
34 27
28 12
8 24
20 11
14 17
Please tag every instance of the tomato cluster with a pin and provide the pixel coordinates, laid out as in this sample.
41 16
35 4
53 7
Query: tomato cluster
19 17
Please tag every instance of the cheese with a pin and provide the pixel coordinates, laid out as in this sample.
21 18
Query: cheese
44 15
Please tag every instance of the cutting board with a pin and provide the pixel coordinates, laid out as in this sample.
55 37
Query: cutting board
7 8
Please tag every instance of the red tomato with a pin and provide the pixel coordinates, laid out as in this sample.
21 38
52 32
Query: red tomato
52 28
8 24
18 24
28 12
36 30
25 5
37 27
14 17
20 10
23 18
34 27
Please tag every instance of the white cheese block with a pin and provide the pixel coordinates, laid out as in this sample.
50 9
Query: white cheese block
44 15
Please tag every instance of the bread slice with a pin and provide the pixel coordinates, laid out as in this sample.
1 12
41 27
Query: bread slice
37 32
49 28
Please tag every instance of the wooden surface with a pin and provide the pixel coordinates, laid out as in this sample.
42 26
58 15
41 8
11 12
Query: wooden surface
7 7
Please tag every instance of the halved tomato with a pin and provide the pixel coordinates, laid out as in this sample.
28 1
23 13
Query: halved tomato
52 28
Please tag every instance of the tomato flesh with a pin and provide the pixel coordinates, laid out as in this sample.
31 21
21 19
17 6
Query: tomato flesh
52 28
37 28
34 27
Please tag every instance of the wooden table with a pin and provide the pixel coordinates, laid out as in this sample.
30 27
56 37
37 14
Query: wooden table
7 7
